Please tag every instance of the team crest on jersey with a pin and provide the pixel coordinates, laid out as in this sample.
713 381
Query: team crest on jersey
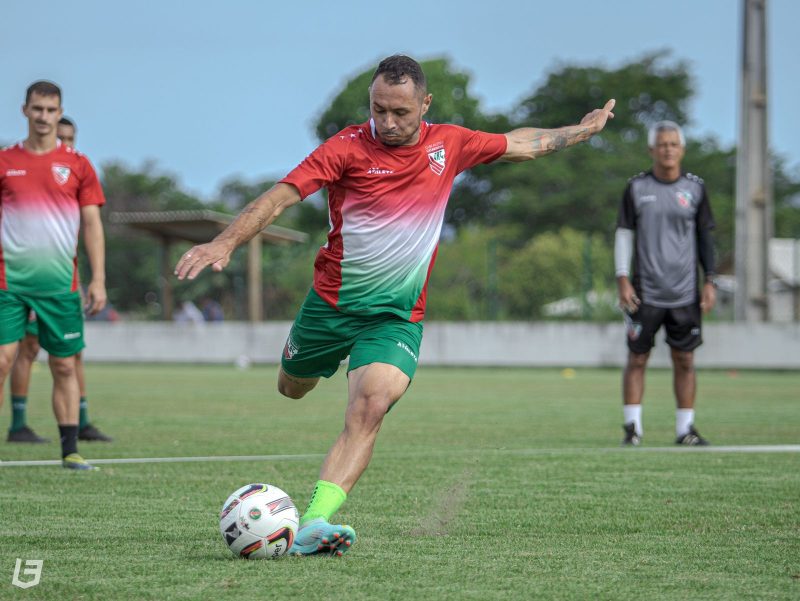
60 173
436 160
684 199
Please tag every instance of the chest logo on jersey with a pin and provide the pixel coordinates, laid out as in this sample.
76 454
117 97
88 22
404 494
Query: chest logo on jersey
16 172
379 171
60 173
436 161
684 199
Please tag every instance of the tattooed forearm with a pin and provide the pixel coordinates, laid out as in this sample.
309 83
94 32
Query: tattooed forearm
545 141
253 212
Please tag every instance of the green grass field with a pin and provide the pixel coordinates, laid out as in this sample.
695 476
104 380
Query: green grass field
486 484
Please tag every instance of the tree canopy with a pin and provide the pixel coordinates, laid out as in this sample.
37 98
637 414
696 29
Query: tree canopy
517 236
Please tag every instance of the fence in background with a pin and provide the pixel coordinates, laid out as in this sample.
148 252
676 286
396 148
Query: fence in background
542 344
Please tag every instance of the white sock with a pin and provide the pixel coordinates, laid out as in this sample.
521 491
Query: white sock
683 419
633 413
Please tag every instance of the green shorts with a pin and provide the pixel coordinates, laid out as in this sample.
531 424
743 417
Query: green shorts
59 318
32 327
322 337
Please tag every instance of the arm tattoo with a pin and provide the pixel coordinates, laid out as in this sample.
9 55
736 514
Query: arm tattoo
251 211
546 141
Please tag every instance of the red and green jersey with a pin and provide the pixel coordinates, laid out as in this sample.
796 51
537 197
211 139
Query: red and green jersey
386 207
40 200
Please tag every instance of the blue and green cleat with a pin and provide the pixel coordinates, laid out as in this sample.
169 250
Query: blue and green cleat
318 536
73 461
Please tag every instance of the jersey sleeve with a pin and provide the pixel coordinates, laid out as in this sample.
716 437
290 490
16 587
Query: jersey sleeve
705 220
90 192
626 218
477 147
322 167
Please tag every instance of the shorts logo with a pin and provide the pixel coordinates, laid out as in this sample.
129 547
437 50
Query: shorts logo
633 329
60 173
291 349
684 199
72 335
695 331
407 349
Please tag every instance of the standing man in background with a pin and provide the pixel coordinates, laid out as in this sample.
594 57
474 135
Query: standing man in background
47 190
29 350
664 226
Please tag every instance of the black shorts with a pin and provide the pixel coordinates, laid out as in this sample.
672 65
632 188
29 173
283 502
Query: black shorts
683 326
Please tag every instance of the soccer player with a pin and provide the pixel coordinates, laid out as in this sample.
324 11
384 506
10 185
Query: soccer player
664 226
28 351
47 189
388 182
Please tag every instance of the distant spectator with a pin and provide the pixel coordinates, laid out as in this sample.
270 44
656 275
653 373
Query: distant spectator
211 309
188 313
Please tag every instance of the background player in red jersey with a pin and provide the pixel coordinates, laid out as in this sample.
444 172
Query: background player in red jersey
28 351
47 190
388 180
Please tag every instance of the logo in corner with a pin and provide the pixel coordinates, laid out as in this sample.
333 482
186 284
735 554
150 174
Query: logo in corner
60 173
33 567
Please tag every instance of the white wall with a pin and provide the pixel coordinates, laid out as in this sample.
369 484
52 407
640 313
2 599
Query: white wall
728 345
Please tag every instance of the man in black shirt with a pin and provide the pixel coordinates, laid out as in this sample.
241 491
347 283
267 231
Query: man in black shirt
664 229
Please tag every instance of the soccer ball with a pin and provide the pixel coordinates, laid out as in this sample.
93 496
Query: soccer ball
258 521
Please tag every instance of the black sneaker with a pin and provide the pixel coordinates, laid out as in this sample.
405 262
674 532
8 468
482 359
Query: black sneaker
92 434
631 439
25 434
692 438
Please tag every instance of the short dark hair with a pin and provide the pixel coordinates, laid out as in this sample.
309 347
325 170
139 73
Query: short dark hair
68 121
42 88
397 68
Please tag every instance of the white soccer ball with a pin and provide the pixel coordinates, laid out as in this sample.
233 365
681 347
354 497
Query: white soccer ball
258 521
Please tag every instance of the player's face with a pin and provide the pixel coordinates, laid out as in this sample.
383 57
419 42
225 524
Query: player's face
668 152
66 133
43 113
397 111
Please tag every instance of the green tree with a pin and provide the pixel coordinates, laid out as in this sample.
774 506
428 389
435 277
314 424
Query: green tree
551 266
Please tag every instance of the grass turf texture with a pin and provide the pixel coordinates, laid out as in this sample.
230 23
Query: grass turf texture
486 484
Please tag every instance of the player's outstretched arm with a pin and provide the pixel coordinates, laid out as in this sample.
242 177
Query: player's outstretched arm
253 218
528 143
94 242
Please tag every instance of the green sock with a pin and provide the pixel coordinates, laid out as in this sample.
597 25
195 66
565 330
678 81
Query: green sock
18 419
325 501
83 419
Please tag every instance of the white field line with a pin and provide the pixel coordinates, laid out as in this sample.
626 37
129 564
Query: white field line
786 448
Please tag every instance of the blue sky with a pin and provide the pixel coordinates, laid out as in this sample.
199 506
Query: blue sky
211 90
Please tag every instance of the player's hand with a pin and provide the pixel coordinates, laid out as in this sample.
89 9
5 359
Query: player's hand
628 300
96 298
215 253
596 120
708 298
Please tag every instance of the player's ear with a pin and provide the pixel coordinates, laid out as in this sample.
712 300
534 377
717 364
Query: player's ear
426 104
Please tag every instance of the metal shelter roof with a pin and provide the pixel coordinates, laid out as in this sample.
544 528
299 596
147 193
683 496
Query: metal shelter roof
198 226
